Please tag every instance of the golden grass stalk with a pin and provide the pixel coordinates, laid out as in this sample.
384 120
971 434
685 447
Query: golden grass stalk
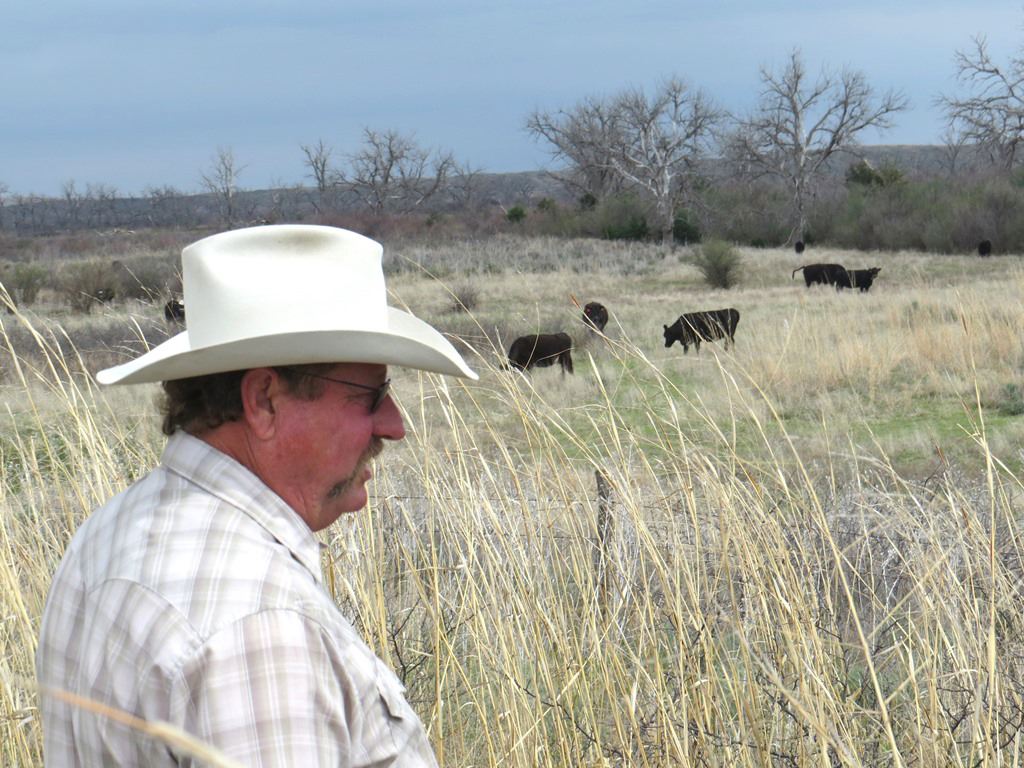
769 572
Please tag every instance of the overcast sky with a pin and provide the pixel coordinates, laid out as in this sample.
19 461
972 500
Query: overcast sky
133 93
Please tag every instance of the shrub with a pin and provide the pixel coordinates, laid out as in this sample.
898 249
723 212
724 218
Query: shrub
623 217
515 214
685 230
718 262
1011 400
149 279
745 213
26 282
464 297
864 174
83 283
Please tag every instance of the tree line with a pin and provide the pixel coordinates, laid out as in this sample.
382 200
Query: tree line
666 164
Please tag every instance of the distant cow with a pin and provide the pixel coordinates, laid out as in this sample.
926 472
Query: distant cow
798 246
103 295
541 350
863 278
174 311
826 274
595 315
695 327
985 248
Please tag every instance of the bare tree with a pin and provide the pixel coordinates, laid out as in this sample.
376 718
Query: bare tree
318 161
664 138
798 125
74 205
584 138
220 181
462 186
990 115
31 212
392 172
651 146
103 205
953 146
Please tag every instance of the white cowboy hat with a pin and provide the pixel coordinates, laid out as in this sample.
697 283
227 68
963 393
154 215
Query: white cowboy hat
286 295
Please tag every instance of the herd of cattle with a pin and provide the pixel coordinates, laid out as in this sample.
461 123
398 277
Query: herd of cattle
839 276
541 350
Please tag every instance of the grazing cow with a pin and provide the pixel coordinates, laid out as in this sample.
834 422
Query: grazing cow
174 311
695 327
985 248
826 274
595 315
541 350
863 278
104 295
798 246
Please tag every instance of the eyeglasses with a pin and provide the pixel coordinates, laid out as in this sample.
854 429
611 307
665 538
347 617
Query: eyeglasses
379 393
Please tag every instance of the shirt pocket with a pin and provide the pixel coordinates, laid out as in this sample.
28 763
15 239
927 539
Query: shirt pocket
392 692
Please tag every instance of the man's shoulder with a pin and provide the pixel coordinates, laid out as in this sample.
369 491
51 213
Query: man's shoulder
204 556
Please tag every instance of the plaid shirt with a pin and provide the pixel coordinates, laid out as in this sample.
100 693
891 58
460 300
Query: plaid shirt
195 597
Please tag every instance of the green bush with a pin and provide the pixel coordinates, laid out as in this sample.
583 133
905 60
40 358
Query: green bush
864 174
1011 400
623 217
718 262
685 230
515 214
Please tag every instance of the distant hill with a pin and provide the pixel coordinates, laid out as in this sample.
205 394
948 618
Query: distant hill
913 159
40 215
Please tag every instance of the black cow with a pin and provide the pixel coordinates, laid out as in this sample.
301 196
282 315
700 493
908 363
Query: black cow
595 315
798 246
541 350
174 311
826 274
695 327
863 278
985 248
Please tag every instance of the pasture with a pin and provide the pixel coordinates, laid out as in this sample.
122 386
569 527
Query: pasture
803 550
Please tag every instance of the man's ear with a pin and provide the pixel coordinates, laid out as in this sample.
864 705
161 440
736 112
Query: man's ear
261 388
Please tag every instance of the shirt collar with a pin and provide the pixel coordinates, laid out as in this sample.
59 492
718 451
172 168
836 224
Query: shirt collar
234 484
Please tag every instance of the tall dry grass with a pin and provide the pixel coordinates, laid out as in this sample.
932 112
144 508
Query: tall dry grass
801 551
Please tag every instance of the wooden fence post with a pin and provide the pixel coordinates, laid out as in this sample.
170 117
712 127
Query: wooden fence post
602 554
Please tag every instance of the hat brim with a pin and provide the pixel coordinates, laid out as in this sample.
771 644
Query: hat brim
407 342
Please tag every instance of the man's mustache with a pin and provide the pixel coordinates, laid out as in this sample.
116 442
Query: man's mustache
373 450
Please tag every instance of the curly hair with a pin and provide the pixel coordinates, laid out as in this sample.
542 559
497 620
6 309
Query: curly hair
201 403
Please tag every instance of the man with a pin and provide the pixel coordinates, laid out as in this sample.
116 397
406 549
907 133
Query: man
195 596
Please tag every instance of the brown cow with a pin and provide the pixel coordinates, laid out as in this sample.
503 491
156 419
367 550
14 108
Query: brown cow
695 327
831 274
541 350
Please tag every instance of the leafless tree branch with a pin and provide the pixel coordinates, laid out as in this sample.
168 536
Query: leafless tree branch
799 124
989 114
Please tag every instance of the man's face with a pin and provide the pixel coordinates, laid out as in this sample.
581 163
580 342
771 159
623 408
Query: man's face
324 446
